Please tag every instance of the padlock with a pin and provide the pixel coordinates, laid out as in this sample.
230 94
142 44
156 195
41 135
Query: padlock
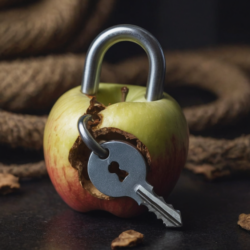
148 118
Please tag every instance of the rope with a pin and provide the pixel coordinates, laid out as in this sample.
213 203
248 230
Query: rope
47 26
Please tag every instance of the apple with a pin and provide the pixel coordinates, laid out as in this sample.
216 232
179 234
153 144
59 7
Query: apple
158 127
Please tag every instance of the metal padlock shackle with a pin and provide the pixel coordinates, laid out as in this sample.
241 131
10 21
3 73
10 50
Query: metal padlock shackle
92 69
119 33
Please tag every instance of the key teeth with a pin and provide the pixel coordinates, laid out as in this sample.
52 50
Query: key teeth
151 209
158 216
170 205
151 188
161 198
172 221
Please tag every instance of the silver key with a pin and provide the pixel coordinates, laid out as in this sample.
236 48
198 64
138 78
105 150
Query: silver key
134 185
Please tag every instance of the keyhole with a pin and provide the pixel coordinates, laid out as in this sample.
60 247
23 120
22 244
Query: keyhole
114 168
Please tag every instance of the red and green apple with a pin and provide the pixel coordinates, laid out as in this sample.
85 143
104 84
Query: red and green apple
159 126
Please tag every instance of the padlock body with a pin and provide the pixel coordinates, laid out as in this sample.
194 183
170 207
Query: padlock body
160 125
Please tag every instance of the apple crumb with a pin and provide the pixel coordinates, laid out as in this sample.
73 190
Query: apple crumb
129 238
8 183
244 221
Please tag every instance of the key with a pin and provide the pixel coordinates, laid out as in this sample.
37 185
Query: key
134 185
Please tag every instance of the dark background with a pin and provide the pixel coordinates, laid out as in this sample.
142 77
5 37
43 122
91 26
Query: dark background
37 218
182 24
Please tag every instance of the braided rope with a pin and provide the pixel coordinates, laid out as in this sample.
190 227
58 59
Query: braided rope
22 130
30 170
227 82
48 26
38 82
218 158
102 9
236 55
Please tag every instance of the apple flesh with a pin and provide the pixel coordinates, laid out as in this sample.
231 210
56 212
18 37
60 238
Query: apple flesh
160 125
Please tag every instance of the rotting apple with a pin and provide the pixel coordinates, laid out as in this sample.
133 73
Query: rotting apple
157 128
146 117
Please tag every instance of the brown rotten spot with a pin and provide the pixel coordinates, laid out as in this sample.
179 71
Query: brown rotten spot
79 153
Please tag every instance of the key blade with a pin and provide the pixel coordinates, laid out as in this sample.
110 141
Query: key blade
157 205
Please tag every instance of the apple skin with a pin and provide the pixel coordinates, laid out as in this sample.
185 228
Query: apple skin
160 125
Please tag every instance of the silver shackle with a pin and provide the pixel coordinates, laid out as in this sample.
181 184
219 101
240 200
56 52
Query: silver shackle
119 33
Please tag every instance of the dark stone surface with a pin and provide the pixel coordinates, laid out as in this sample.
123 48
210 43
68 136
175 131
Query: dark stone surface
37 218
